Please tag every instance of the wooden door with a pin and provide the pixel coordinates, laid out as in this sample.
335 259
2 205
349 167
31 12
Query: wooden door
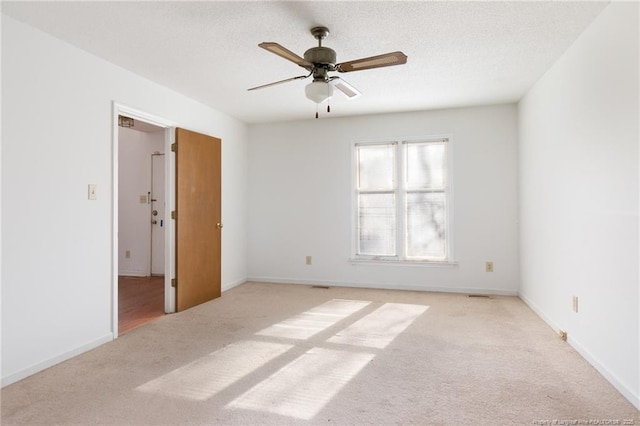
198 221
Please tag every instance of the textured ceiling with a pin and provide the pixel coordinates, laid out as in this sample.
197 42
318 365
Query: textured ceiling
459 53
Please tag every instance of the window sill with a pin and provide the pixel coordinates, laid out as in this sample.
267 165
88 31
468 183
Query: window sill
405 262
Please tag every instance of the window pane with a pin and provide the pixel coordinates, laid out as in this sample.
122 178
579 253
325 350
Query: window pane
425 165
376 167
426 225
377 220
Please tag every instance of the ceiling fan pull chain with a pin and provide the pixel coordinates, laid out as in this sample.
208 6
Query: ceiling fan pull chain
316 111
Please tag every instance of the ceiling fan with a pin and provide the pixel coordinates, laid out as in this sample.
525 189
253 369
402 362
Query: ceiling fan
321 60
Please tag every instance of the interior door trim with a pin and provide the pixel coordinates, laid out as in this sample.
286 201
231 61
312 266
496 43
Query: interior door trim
169 135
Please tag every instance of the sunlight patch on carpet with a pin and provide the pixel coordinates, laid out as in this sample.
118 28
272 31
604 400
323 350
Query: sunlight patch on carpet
204 377
313 321
381 326
304 386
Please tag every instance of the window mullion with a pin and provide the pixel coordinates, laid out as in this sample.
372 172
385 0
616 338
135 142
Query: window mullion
398 251
401 230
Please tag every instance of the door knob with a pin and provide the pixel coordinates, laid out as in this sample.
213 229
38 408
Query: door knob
155 212
219 225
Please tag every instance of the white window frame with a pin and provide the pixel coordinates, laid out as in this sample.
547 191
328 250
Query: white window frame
400 258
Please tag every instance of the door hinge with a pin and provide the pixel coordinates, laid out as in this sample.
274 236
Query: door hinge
174 214
174 147
174 282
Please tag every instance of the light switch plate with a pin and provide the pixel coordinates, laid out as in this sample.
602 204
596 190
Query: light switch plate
92 191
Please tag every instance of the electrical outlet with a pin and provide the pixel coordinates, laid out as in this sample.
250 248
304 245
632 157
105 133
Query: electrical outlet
127 254
575 304
563 335
307 260
488 266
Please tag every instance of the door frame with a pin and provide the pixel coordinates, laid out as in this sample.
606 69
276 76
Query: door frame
151 209
169 242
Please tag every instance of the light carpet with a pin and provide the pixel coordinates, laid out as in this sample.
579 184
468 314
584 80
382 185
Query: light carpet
278 354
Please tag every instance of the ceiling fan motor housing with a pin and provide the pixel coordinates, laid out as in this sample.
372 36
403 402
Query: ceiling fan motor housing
321 56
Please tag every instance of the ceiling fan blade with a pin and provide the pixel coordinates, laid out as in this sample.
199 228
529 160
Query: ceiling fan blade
350 91
386 60
279 82
285 53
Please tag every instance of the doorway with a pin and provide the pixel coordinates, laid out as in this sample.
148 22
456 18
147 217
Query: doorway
146 272
141 222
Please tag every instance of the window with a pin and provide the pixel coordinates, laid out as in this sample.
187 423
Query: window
402 201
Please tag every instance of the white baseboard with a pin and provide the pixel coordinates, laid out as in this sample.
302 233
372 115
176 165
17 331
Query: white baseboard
43 365
132 274
633 397
613 379
233 284
540 313
378 286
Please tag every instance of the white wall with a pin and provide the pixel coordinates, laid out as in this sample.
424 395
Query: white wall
56 139
579 186
134 177
300 200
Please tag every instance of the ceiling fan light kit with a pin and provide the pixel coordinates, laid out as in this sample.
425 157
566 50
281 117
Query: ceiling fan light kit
321 60
318 91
